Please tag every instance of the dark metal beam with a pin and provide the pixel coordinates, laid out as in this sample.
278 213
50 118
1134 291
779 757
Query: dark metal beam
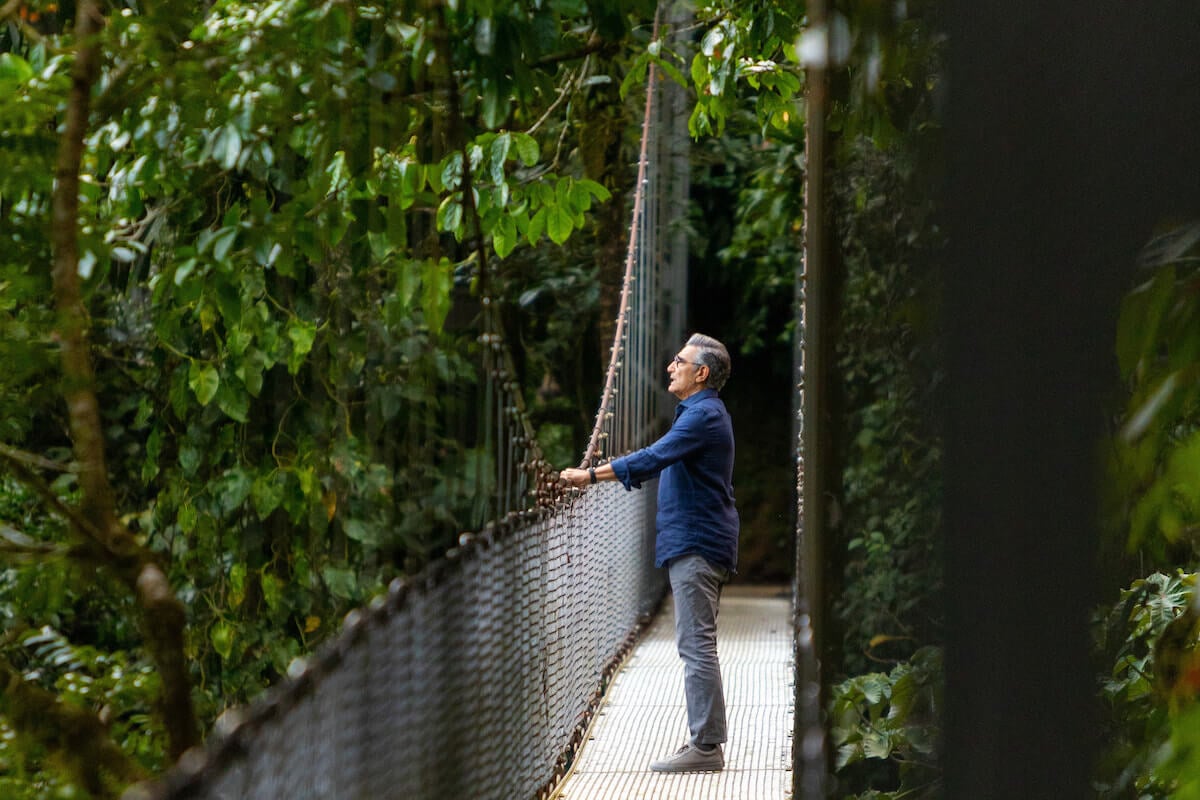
1070 132
810 745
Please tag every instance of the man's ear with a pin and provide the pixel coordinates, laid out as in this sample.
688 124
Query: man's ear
707 372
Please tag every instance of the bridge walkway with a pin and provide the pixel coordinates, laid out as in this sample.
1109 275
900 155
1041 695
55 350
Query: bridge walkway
643 716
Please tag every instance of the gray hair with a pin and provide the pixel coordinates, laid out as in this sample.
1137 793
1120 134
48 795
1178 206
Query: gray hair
714 356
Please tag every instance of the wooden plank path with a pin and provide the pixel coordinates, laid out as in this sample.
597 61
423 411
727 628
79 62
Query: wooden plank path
643 716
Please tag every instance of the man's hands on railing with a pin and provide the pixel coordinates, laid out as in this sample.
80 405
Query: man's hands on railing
583 477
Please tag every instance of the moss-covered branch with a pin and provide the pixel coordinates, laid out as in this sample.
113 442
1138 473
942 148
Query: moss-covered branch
163 616
75 736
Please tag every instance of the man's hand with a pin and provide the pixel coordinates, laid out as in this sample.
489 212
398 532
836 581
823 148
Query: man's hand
575 477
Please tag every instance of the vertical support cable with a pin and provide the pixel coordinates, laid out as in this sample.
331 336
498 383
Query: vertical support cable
595 448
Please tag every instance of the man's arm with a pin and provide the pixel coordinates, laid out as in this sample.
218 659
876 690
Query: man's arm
685 437
586 477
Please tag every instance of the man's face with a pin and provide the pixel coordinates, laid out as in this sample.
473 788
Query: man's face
685 374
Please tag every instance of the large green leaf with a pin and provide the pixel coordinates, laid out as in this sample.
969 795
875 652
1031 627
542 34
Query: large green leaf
14 71
302 335
559 223
527 148
340 581
436 279
204 381
1140 319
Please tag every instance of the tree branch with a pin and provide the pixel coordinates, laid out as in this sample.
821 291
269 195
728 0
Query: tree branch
76 736
47 495
24 548
594 44
9 8
32 459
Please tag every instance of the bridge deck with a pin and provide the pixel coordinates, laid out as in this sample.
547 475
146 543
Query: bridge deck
643 716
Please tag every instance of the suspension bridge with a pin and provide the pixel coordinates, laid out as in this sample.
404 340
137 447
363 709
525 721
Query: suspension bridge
536 659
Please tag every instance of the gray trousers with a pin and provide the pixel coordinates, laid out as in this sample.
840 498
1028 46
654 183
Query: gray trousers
696 586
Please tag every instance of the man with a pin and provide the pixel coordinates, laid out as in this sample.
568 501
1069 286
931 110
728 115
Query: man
697 533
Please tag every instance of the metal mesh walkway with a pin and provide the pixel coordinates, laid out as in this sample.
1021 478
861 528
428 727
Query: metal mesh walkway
643 716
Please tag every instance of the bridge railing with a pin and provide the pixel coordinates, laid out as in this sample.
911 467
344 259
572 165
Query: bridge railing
475 679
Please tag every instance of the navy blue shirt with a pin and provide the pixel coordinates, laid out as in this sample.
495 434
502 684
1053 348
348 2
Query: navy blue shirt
694 462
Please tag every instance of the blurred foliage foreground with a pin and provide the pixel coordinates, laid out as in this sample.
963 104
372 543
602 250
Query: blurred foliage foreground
1148 640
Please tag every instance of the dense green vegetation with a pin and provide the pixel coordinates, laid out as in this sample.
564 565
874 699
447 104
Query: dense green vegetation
268 298
249 248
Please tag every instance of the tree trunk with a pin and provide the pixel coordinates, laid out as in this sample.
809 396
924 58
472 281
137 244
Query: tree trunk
163 615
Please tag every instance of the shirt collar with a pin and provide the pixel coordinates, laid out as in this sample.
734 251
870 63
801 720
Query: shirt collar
696 398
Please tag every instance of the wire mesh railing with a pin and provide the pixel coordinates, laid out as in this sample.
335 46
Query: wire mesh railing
475 679
478 677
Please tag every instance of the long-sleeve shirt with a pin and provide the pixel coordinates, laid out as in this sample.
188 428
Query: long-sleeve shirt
694 462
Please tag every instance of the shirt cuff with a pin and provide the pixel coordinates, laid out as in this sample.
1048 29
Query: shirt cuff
621 470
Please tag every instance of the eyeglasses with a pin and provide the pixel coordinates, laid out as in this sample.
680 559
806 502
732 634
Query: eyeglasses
679 361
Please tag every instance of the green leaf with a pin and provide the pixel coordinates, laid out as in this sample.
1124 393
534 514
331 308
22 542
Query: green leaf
396 227
596 189
1145 414
223 241
302 335
877 745
408 280
227 146
237 340
340 582
450 216
566 196
527 148
14 70
636 74
496 104
150 468
504 236
204 381
190 459
234 402
237 584
221 636
410 179
435 294
233 488
499 155
1141 315
272 589
558 224
671 70
250 372
361 531
875 687
452 170
186 518
267 493
537 224
849 753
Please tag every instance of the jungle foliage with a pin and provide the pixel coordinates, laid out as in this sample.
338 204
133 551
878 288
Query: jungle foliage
287 219
1148 639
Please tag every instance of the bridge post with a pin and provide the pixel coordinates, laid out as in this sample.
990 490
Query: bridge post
810 753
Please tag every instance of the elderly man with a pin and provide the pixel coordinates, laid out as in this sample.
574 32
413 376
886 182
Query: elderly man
697 528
